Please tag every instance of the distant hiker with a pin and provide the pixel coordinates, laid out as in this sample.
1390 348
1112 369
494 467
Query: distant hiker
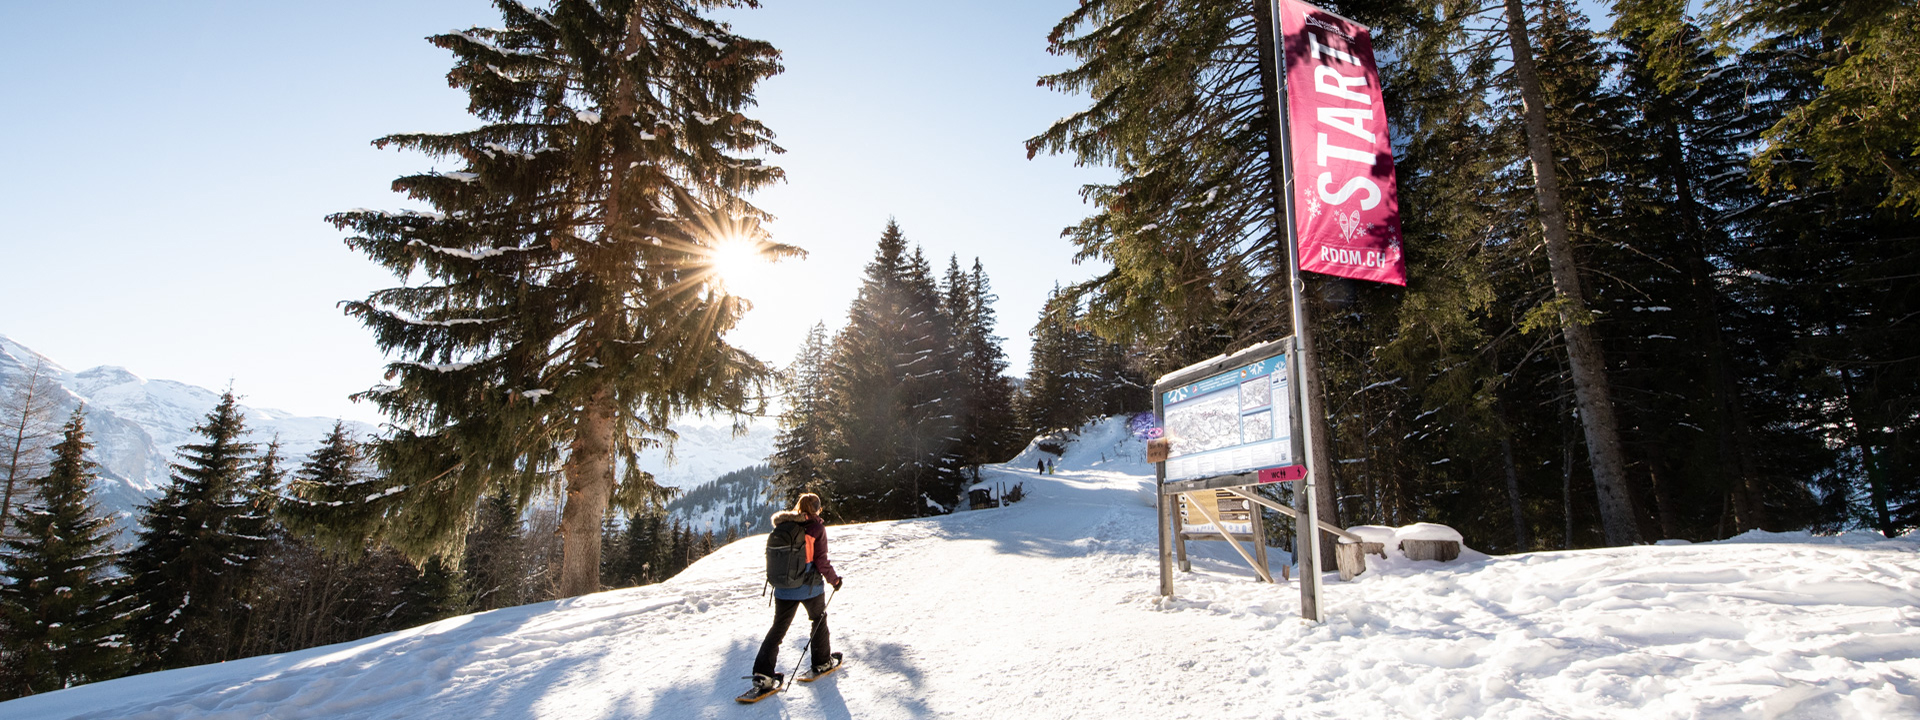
799 571
1040 465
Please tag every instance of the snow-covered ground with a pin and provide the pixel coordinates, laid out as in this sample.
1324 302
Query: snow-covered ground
1048 609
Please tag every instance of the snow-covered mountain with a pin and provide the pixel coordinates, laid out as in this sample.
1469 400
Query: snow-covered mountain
705 452
736 501
137 425
1048 608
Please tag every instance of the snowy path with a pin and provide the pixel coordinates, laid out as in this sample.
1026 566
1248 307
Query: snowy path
1047 609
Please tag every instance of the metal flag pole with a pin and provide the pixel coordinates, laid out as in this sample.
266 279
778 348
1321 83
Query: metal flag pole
1306 528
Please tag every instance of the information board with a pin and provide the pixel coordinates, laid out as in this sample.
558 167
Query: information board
1236 421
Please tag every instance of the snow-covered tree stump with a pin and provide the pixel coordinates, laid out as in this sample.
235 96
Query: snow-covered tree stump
1351 557
1442 550
1429 541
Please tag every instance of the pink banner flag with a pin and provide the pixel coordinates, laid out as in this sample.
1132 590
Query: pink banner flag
1346 206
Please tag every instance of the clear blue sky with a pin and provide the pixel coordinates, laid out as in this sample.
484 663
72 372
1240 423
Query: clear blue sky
168 166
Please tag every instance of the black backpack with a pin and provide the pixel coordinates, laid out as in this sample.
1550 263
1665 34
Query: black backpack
787 556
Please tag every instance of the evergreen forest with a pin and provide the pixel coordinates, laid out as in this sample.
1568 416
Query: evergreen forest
1663 261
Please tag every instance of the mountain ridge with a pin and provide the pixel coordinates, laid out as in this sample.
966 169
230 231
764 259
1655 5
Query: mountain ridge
138 424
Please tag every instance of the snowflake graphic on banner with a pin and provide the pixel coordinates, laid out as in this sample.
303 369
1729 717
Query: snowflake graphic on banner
1313 207
1350 225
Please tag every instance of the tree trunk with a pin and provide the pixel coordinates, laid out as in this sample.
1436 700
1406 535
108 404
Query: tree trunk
589 472
1663 504
1326 499
1583 349
590 465
1859 404
28 412
1521 542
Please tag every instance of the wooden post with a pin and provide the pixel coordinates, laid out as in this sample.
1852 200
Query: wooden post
1179 538
1166 549
1259 536
1303 374
1161 501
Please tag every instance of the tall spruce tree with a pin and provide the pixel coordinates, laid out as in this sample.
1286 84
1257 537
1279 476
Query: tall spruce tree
435 591
57 588
1190 228
891 436
1590 378
1058 394
334 498
647 547
1825 287
1076 375
1679 181
186 571
798 449
565 306
983 393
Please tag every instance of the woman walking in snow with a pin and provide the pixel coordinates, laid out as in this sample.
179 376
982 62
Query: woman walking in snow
811 594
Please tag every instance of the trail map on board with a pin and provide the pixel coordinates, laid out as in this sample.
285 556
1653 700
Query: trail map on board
1237 421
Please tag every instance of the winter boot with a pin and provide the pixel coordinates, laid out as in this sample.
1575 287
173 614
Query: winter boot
823 669
763 685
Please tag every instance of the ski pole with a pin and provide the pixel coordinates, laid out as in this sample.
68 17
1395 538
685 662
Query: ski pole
810 634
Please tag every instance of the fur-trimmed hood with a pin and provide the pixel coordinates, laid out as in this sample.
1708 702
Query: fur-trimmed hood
788 516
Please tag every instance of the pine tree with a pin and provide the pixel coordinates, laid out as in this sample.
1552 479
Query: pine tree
613 551
798 449
185 573
891 424
56 584
334 499
1190 229
1855 117
647 546
1592 388
434 592
495 569
1051 398
1076 375
1836 366
678 547
995 423
984 396
566 307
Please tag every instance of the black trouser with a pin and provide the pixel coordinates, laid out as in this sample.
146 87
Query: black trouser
783 617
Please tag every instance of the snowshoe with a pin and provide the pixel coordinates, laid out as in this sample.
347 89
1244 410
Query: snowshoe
762 687
831 666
